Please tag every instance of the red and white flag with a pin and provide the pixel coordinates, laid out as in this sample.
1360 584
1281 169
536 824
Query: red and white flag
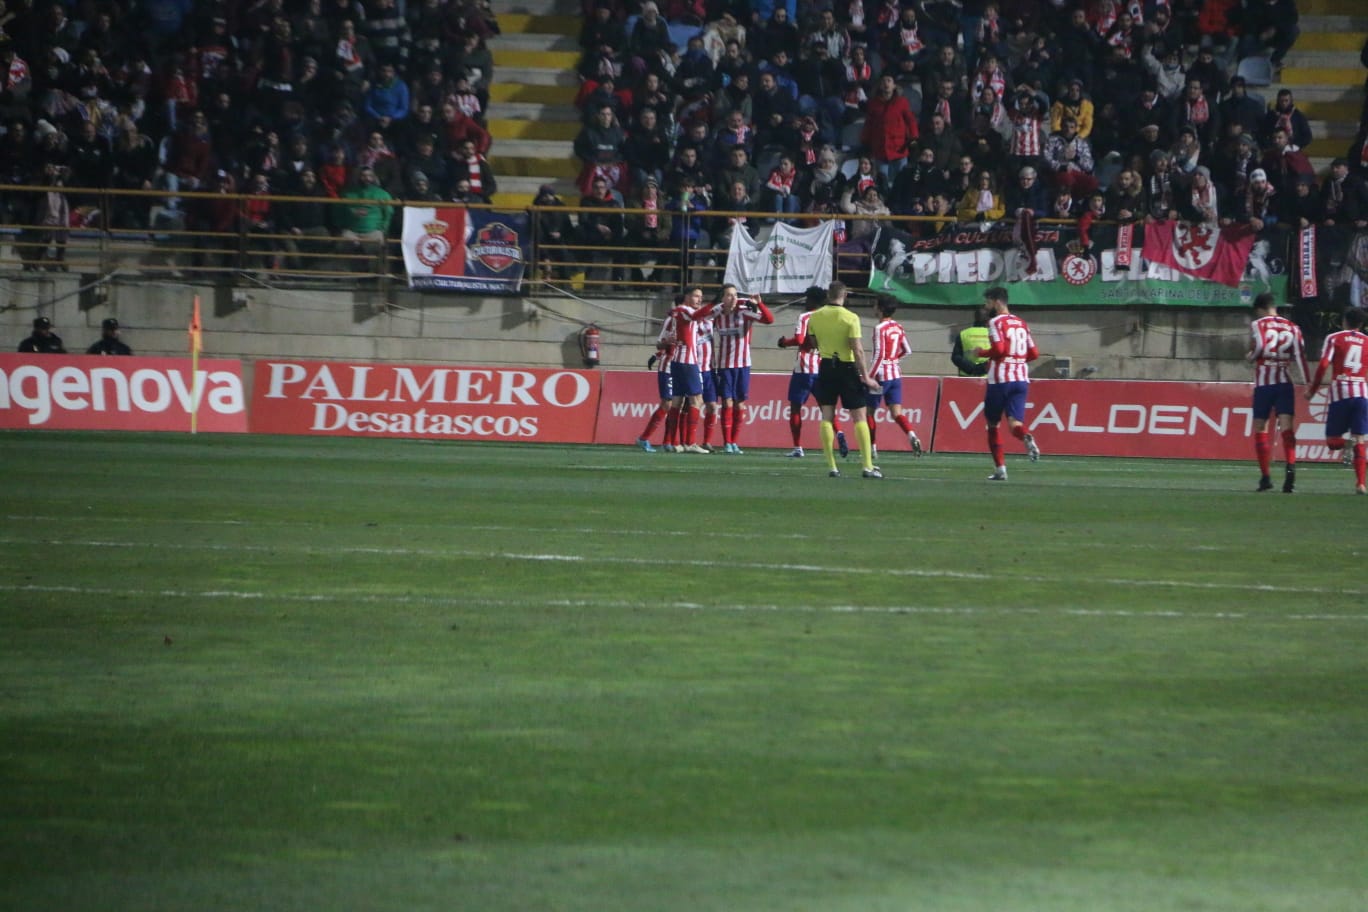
1200 249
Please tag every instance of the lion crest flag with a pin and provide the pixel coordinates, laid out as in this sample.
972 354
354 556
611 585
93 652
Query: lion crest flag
787 262
458 249
1200 249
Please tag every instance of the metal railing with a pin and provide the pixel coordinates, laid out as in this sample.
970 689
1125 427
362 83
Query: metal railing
156 233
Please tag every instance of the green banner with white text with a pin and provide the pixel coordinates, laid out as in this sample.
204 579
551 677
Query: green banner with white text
953 267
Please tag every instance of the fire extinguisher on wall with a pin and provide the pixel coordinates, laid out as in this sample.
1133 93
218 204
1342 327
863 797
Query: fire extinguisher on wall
589 345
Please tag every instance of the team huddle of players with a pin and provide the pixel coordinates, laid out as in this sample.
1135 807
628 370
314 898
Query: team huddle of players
1275 345
703 365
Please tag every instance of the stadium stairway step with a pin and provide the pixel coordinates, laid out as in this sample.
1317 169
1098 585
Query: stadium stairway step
1324 74
531 115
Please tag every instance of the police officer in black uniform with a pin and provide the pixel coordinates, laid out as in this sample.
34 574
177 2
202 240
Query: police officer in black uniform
44 340
109 343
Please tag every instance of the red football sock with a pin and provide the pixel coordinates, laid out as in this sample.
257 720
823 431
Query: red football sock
656 417
1019 431
903 422
796 423
995 446
709 423
738 420
1360 462
672 426
727 430
1290 447
1263 450
869 421
690 426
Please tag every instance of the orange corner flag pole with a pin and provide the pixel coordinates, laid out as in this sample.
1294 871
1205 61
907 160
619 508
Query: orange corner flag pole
196 343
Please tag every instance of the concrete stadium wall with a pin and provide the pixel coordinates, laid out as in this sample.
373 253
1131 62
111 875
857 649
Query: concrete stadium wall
359 323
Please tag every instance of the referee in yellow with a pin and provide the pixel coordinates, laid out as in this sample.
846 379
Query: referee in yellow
842 375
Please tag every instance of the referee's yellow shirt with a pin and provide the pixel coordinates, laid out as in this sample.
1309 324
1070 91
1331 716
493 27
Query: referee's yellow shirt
835 328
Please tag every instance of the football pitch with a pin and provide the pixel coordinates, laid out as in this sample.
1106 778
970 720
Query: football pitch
333 674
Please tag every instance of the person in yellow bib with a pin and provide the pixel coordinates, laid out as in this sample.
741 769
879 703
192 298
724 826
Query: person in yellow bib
842 376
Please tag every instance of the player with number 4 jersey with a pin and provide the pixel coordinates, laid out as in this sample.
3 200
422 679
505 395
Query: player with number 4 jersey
1010 349
1275 347
1344 363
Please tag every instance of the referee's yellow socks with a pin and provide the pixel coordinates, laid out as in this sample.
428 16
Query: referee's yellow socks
866 444
829 443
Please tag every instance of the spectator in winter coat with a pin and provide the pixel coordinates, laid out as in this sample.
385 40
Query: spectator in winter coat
1239 108
1284 114
1344 197
890 129
1073 103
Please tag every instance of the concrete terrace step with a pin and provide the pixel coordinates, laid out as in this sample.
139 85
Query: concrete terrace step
528 110
1320 24
537 8
1323 76
1348 60
1332 39
533 94
1313 94
535 76
1343 113
535 42
545 160
1329 7
522 23
519 192
500 128
554 60
1333 131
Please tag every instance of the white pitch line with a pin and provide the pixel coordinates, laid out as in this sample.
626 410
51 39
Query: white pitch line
704 564
589 530
959 611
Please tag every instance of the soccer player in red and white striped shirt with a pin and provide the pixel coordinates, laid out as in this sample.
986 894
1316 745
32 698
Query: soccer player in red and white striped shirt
1344 360
661 361
686 373
732 338
1275 345
1010 349
890 345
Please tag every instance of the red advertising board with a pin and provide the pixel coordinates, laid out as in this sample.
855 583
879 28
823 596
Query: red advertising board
82 392
1120 418
527 405
629 398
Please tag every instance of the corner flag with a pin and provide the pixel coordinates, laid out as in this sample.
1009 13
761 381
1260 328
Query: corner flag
196 343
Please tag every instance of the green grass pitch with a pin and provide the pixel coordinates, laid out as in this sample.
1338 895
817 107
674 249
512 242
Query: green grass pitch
289 674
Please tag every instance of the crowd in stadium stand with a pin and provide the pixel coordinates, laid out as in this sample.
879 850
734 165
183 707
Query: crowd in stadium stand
315 98
973 110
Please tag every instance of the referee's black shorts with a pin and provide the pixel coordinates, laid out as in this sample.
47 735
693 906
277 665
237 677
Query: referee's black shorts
838 380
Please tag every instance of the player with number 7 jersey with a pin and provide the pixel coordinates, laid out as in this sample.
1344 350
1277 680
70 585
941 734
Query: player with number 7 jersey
1345 364
1275 345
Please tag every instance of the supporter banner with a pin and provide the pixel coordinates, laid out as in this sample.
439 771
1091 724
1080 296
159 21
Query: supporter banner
75 392
955 267
788 262
1306 261
457 249
1124 418
629 398
1200 249
526 405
